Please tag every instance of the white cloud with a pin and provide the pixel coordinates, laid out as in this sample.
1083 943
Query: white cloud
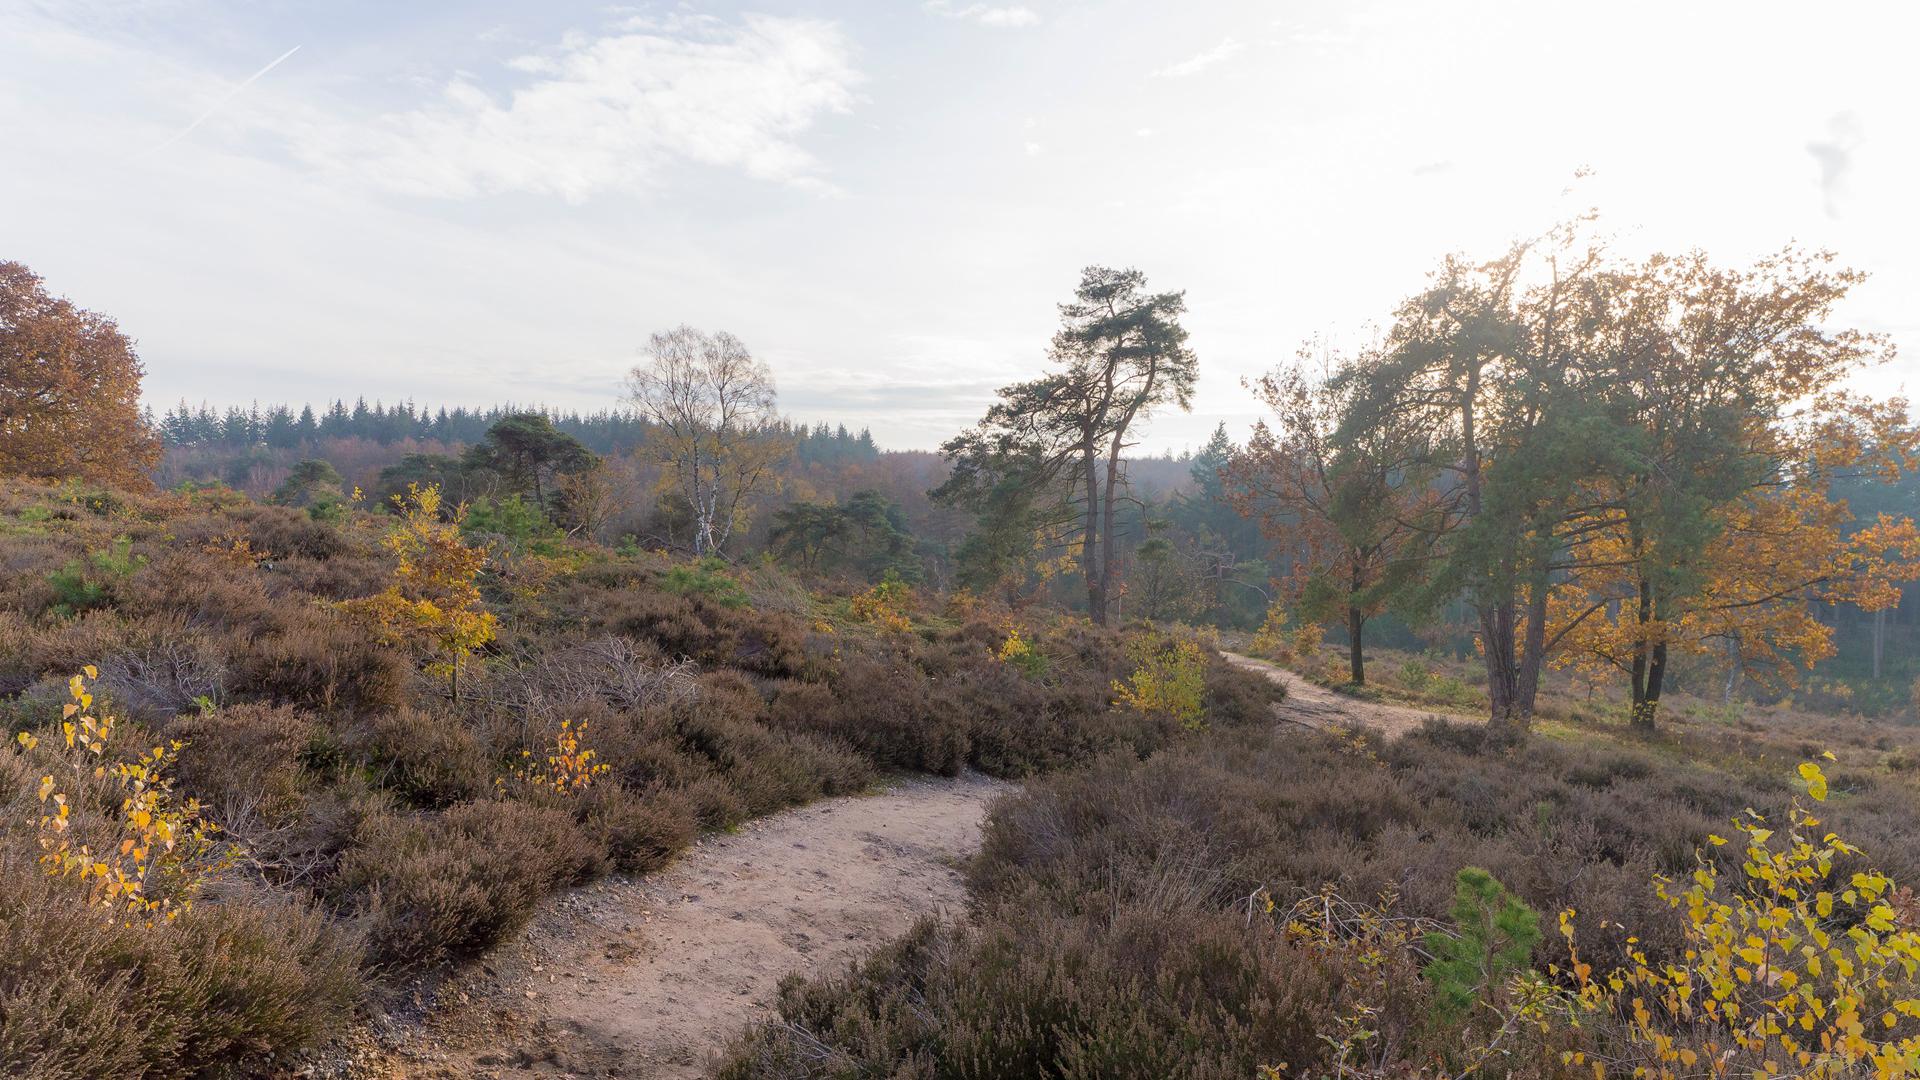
1194 65
1009 16
608 113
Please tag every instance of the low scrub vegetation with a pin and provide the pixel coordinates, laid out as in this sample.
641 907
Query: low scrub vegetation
1325 905
382 744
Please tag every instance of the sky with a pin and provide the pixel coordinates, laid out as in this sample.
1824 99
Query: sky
490 202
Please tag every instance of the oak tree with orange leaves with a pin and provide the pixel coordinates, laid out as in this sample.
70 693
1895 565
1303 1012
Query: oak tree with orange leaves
1643 455
69 390
1350 518
1715 533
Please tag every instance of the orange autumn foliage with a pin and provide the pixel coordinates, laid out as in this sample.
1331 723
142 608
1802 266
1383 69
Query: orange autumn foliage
1777 557
69 390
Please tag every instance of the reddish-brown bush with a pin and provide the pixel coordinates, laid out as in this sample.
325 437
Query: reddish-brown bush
317 660
640 831
427 758
216 990
435 887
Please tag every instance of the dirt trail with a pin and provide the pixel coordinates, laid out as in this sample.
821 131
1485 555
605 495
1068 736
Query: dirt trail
647 977
1316 706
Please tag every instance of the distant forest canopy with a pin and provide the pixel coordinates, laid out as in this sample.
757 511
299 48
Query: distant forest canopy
1186 552
607 431
260 448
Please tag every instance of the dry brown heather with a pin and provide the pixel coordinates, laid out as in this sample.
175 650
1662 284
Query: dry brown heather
389 830
1111 936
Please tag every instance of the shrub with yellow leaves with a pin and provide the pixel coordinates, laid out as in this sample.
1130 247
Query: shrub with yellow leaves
1307 639
1785 972
1167 681
1271 641
1020 653
432 599
885 605
571 765
162 851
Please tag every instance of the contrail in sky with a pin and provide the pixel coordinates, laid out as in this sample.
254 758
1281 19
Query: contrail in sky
218 105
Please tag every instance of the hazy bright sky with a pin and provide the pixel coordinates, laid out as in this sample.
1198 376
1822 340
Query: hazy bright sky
488 201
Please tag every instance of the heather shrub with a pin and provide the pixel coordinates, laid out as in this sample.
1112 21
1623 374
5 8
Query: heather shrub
429 759
436 887
639 831
715 803
1300 811
883 707
279 532
315 659
244 760
771 769
940 705
698 628
229 597
1236 697
218 988
1143 991
341 577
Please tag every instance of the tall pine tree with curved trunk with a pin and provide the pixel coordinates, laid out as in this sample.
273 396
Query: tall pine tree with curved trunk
1057 444
69 390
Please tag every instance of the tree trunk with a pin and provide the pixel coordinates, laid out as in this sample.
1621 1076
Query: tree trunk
1356 663
1503 674
1106 523
1498 642
1649 666
1656 680
1533 648
1090 542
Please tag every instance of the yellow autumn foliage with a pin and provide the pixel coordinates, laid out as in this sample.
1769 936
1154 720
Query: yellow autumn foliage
1789 970
162 852
433 600
1167 681
571 765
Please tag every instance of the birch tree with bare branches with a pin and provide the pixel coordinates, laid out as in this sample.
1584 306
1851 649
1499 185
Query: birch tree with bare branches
712 408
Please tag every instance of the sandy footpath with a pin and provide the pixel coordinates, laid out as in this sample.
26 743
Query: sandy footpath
647 977
1315 706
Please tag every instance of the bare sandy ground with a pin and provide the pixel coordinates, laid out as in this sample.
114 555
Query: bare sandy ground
648 977
1315 706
